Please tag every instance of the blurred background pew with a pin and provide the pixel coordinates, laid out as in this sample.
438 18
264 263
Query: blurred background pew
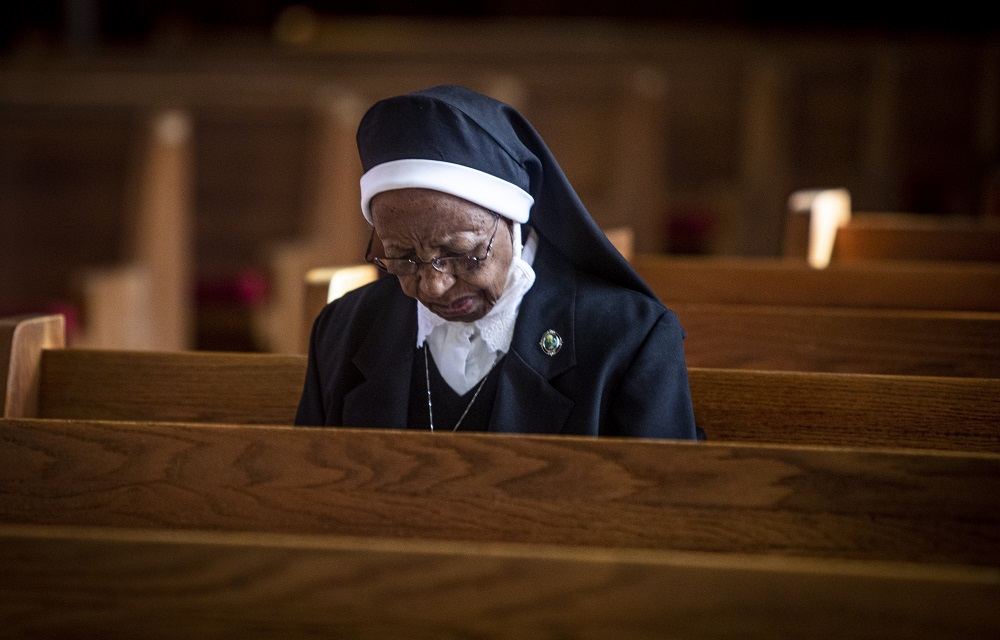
822 227
98 219
885 284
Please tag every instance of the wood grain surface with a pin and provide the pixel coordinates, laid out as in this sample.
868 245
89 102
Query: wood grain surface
800 501
195 386
887 284
764 406
23 339
91 583
900 236
930 343
848 409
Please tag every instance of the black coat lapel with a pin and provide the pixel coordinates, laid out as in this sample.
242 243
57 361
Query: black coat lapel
526 402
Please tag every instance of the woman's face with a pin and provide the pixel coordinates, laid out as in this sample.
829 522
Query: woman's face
423 224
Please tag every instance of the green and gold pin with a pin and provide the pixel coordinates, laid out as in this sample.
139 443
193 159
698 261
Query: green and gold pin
551 342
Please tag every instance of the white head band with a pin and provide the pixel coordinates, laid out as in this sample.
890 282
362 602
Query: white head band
484 189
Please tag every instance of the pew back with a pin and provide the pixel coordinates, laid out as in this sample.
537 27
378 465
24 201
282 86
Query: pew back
153 585
772 406
900 236
935 343
847 409
194 386
731 405
851 503
821 227
920 285
22 342
103 192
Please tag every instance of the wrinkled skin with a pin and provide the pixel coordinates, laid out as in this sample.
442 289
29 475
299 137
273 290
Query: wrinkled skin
424 224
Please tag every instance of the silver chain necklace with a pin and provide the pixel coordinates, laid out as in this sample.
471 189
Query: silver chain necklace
430 404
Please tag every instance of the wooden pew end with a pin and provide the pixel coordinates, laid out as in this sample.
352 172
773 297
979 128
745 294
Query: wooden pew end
814 216
22 339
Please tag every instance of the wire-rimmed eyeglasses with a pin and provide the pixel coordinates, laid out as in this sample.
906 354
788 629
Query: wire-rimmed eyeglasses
451 265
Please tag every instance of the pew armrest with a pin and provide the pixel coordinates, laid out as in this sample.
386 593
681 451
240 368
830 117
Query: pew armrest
22 340
813 218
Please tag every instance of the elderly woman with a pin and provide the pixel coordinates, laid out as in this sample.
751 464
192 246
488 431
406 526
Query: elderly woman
508 309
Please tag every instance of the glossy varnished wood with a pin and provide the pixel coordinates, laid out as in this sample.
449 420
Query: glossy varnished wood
764 406
887 284
92 583
23 339
618 493
902 236
194 386
848 409
935 343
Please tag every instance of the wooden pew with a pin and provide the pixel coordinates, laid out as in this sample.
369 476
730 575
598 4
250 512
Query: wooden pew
766 406
22 342
901 236
881 341
822 227
731 405
100 216
324 285
837 409
913 285
824 502
85 582
267 165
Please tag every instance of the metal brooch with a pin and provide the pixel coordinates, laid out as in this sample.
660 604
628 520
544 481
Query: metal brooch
551 342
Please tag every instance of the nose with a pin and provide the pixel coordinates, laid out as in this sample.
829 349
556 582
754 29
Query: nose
433 283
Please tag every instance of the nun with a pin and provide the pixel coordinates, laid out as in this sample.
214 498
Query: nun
504 307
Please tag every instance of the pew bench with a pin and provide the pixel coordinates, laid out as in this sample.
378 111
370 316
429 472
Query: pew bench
43 380
95 199
830 339
821 226
820 502
901 236
200 585
889 284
